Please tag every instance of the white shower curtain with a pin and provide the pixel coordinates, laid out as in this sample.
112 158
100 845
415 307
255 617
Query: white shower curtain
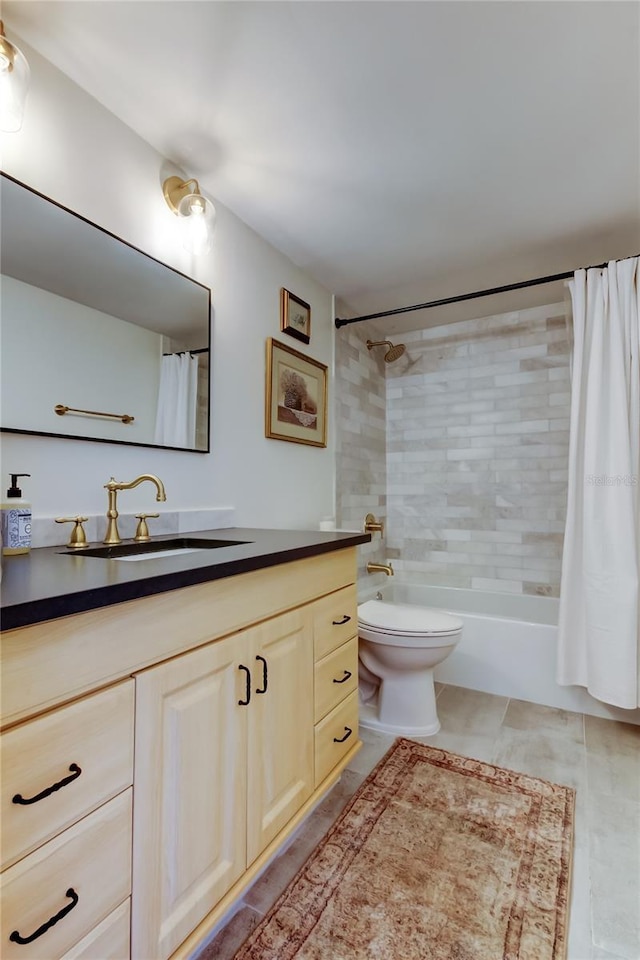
177 401
599 629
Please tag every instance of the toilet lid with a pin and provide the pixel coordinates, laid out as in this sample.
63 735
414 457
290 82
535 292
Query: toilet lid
399 618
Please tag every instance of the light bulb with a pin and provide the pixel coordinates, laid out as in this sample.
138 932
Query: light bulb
14 83
198 218
197 205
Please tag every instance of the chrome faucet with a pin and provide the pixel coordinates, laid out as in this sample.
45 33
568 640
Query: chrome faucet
380 567
112 536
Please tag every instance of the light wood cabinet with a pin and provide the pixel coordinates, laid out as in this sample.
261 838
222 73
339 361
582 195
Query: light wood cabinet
280 735
56 895
336 676
190 790
335 620
233 698
110 940
335 735
335 680
60 766
224 759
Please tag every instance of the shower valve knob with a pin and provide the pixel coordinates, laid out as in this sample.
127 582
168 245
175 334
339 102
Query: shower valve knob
371 525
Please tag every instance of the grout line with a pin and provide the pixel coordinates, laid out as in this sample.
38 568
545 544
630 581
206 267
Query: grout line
506 707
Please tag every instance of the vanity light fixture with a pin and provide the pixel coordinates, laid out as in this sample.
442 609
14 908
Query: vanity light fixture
14 83
197 214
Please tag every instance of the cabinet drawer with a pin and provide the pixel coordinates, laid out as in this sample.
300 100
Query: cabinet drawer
110 940
335 619
336 676
333 739
93 735
86 871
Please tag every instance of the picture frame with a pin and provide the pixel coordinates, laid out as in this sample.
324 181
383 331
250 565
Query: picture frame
295 316
295 397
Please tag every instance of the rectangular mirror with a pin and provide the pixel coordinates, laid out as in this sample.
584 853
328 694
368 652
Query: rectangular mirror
100 341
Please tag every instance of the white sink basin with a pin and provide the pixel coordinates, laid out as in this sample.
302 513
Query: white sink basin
156 554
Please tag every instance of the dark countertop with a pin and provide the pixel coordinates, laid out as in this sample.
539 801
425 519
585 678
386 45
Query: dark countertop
52 582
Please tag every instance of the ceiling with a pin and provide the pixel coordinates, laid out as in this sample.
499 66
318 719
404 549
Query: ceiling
397 151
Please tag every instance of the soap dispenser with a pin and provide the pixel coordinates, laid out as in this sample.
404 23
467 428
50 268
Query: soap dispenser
16 519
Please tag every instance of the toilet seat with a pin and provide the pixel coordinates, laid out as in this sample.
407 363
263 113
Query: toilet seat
417 640
395 635
407 620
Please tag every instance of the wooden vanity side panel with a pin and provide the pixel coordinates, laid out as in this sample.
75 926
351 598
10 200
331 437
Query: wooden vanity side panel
49 663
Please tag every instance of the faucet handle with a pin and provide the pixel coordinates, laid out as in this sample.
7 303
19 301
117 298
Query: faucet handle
142 530
78 538
372 525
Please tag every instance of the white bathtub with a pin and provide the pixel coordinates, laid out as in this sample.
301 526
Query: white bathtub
508 645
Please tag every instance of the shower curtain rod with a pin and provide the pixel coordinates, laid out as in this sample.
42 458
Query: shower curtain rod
339 322
178 353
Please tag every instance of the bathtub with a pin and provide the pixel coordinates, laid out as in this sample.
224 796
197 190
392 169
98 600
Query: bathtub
508 644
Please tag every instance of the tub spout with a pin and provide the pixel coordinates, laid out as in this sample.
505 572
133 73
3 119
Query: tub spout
380 568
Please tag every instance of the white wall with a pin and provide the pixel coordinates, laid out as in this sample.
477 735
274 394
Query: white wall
76 152
58 351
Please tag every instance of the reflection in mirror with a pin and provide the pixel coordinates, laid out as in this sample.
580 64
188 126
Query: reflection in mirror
95 325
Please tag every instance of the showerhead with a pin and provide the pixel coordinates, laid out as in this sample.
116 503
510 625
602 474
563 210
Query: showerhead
393 353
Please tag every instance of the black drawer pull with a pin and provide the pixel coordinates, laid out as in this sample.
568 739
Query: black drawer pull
347 674
15 936
75 773
338 623
265 679
245 702
346 736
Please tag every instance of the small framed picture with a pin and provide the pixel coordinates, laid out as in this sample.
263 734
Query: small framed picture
295 316
296 396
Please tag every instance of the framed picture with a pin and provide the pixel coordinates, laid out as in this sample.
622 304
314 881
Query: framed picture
295 316
296 396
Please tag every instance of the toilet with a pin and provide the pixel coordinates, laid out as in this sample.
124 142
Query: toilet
399 646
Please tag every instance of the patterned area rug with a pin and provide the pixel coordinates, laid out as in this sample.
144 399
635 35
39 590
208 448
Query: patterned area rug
436 856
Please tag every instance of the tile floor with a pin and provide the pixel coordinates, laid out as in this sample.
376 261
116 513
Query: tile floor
600 758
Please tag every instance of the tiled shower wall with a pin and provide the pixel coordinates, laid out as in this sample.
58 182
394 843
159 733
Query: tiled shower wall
361 481
476 448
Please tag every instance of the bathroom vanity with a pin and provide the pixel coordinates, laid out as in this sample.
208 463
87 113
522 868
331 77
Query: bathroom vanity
166 725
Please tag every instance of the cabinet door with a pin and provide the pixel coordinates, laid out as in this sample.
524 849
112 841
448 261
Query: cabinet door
280 736
190 792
